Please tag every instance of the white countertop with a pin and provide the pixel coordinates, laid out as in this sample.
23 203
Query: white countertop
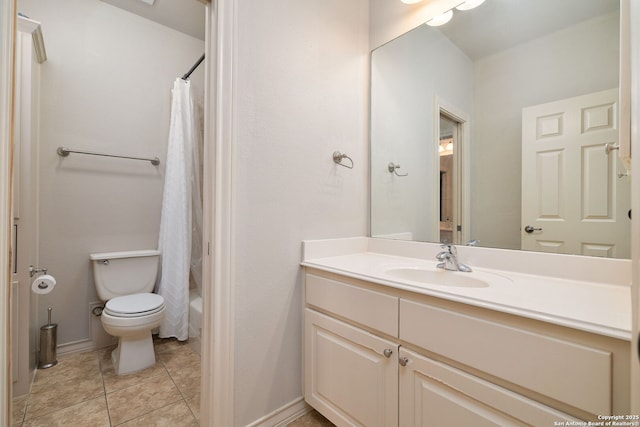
599 308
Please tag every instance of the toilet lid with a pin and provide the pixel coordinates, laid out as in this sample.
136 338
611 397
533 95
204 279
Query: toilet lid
134 304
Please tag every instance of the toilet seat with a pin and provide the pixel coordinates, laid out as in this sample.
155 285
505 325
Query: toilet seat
134 305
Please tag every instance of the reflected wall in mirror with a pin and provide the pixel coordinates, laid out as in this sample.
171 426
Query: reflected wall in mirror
534 84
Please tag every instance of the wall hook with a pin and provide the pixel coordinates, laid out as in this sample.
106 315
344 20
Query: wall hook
338 156
36 270
393 168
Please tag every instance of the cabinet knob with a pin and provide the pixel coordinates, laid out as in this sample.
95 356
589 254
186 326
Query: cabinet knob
403 361
387 352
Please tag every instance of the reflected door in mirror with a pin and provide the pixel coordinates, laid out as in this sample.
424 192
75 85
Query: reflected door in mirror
573 189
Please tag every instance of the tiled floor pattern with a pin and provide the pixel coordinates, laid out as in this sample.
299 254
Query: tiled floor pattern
83 390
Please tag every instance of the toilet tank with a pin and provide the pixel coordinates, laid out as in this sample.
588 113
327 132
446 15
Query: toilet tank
124 273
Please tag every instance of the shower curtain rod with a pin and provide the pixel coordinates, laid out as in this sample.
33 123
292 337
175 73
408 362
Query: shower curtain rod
188 73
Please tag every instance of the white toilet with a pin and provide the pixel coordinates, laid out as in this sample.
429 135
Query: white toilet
125 280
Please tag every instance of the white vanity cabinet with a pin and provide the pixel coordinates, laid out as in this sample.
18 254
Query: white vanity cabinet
350 373
435 394
376 355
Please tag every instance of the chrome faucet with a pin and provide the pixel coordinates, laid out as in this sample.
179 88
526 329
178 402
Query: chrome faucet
449 259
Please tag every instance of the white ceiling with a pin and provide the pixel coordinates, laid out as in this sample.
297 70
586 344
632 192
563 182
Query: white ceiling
186 16
500 24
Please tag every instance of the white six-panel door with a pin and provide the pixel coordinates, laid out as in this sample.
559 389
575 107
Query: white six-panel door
572 194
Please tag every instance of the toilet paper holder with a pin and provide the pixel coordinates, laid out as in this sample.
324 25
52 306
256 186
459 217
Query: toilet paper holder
35 270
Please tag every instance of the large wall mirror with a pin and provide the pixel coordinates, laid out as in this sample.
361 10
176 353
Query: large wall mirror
494 128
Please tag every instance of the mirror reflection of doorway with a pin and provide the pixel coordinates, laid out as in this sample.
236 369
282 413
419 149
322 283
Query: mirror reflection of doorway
448 153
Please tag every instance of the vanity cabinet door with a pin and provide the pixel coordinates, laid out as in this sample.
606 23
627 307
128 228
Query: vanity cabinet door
433 394
351 376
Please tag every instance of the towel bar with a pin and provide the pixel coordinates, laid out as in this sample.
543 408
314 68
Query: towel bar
64 152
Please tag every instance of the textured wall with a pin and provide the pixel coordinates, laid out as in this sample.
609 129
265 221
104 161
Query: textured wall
302 83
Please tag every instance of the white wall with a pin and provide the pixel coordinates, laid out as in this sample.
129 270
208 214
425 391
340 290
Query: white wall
406 77
540 71
391 19
302 82
106 88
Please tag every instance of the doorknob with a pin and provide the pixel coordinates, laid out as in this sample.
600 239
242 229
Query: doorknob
529 229
608 148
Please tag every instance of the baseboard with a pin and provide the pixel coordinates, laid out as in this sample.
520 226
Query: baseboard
76 347
283 415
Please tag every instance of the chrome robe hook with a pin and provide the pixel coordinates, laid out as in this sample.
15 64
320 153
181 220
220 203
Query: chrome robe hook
393 168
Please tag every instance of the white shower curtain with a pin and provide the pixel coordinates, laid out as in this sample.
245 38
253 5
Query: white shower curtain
181 218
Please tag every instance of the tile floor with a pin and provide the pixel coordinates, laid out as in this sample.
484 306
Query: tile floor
83 390
312 419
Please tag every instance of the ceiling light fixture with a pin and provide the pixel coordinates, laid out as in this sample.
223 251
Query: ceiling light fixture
469 4
441 19
445 148
410 1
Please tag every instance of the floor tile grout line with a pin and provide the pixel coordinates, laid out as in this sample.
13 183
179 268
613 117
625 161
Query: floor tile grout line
191 410
24 409
104 387
184 399
177 388
147 413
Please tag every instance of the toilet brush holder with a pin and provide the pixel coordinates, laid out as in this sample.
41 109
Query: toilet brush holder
48 342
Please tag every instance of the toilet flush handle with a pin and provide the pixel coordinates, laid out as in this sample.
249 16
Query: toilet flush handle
105 262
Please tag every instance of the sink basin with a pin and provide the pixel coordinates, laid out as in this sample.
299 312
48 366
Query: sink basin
436 277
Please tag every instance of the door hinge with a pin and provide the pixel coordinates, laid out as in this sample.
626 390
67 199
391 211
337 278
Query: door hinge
15 249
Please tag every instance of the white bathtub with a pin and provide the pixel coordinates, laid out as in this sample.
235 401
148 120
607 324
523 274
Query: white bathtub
195 314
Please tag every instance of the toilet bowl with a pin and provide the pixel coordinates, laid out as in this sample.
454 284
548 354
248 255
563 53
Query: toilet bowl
124 280
133 324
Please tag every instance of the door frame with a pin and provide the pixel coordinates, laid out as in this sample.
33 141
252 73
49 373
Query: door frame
218 380
7 31
462 164
631 59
